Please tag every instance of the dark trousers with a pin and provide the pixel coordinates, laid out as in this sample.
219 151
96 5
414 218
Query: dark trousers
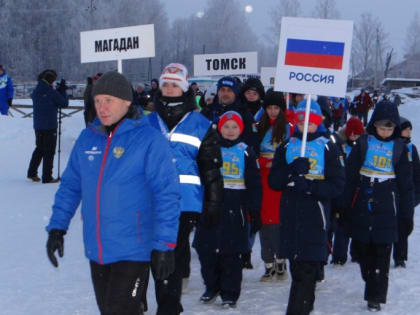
46 141
169 291
119 286
401 248
341 245
222 272
302 290
363 116
374 266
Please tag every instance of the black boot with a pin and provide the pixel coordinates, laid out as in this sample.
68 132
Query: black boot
246 261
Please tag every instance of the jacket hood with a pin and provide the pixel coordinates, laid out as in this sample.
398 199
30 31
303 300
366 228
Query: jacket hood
385 110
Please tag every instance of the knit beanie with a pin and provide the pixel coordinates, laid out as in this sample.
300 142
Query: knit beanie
274 98
229 82
315 113
405 123
114 84
255 85
175 73
354 126
231 115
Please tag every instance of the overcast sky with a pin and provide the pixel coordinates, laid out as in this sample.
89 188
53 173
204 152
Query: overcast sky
394 15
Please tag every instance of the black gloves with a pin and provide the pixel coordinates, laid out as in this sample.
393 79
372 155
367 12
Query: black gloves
55 242
406 226
210 216
300 166
10 101
163 264
302 184
255 221
62 87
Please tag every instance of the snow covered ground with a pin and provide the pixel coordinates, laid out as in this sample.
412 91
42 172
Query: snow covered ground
30 285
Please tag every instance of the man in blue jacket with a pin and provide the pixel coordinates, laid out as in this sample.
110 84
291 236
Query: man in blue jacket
46 101
6 91
122 171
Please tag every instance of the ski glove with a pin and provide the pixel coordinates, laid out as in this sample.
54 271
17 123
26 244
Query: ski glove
163 264
300 166
302 184
406 226
255 221
55 242
9 101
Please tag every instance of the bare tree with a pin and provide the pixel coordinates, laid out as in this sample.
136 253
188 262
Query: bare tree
370 42
413 36
326 9
283 8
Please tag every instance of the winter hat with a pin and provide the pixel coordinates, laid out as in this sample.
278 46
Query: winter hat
255 85
231 115
354 126
229 82
114 84
175 73
315 113
405 123
274 98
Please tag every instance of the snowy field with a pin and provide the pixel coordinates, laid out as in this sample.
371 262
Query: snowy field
29 284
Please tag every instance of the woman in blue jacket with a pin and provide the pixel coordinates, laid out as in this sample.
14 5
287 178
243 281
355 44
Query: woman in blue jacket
121 170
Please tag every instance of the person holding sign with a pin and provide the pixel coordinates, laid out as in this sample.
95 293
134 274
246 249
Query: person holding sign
308 184
219 248
379 198
195 146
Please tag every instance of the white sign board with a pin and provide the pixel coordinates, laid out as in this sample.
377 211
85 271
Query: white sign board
226 64
118 43
268 75
314 56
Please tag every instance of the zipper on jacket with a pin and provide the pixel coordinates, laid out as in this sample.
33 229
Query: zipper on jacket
321 209
394 203
242 216
98 195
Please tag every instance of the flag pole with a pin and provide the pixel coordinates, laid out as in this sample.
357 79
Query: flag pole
305 126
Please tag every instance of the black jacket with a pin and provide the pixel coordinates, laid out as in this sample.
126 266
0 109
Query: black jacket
209 159
249 135
231 234
389 200
304 218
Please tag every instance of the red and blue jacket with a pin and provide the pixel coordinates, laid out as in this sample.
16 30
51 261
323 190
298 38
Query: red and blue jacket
129 189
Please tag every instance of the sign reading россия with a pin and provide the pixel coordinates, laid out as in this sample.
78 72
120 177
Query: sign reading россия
118 43
226 64
314 56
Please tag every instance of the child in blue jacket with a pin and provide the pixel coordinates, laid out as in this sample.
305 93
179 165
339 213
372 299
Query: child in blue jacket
219 248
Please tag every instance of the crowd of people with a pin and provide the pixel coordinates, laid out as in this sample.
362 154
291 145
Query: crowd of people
153 166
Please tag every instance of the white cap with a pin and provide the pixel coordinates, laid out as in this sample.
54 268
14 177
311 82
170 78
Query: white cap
175 73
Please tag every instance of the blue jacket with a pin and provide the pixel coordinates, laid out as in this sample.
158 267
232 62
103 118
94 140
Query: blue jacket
6 90
185 141
46 102
129 191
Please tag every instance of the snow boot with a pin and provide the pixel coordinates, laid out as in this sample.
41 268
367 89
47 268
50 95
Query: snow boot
246 261
373 306
51 181
281 269
400 263
270 273
228 304
34 178
209 296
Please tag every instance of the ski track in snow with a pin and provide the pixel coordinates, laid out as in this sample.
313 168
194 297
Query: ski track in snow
31 285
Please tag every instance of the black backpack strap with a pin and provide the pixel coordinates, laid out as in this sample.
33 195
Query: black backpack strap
363 147
398 149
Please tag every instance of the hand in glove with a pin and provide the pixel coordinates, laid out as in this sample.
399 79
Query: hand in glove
163 264
62 87
9 101
300 166
55 242
302 184
210 216
406 226
255 221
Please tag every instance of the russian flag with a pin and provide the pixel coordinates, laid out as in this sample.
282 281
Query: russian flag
314 53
